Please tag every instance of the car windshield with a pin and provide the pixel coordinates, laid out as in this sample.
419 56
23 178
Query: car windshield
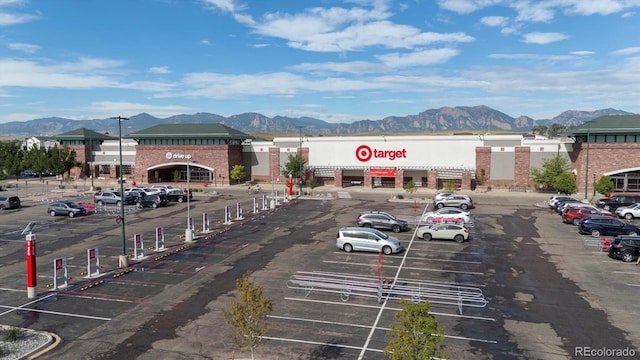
381 234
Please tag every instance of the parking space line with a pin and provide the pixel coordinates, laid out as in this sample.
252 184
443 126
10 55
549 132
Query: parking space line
22 308
627 272
469 317
320 343
633 285
27 304
15 290
404 267
445 260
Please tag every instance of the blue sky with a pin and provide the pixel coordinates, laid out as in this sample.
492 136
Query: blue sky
339 61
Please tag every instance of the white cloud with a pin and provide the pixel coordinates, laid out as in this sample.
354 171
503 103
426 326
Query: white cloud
159 70
104 109
543 38
532 57
351 67
418 58
466 6
583 53
627 51
205 42
26 48
230 6
494 21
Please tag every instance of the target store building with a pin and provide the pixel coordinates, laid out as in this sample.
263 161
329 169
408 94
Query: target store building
163 153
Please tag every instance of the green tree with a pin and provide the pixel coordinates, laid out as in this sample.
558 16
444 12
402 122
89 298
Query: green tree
38 160
565 183
11 158
248 314
556 129
417 335
238 173
63 159
294 166
410 186
604 185
551 168
540 130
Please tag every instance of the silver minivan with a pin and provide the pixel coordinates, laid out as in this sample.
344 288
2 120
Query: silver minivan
366 239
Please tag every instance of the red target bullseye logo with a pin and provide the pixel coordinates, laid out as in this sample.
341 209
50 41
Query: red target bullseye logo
364 153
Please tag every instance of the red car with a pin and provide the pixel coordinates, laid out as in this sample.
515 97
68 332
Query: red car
575 214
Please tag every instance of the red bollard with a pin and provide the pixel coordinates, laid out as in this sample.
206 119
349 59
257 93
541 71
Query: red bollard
32 278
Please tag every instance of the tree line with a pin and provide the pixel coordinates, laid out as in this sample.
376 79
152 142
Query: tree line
14 159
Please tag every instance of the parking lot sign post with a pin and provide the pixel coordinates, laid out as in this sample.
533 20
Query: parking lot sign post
93 262
32 276
159 239
138 246
60 275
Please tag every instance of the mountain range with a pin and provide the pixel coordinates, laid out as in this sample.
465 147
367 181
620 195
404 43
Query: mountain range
458 118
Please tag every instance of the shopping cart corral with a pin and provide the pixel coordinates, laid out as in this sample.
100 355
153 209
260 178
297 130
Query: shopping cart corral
598 244
348 285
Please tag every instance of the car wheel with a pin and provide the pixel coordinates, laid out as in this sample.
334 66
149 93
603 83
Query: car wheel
367 225
347 247
607 207
575 221
627 257
52 213
139 205
464 206
459 238
154 205
118 203
1 207
180 199
386 250
440 205
427 236
628 216
595 233
100 202
396 228
633 233
71 214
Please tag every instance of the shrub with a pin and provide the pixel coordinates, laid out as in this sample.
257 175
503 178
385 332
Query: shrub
11 334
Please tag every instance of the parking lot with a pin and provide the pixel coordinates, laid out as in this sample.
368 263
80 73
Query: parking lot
548 295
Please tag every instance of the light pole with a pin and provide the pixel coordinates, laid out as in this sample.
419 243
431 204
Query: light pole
586 173
124 259
188 232
301 159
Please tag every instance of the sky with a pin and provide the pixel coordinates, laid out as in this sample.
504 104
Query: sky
335 60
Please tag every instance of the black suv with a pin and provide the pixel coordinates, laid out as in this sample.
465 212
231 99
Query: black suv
616 201
382 220
626 248
597 226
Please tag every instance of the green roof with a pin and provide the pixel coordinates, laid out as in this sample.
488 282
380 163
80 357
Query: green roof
189 131
83 134
611 124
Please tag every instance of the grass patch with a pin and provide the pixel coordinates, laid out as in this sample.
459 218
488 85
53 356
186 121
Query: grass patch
11 334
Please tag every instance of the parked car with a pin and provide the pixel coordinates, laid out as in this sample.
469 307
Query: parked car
455 232
616 201
559 205
381 220
151 191
574 215
153 201
9 202
162 187
603 225
66 208
112 197
176 195
463 202
626 248
447 215
365 239
629 212
555 198
442 195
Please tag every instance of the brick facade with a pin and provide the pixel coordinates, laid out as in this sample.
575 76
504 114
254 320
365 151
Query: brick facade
522 164
603 158
221 158
483 161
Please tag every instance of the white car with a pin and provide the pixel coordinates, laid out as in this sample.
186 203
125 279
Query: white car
455 232
629 212
447 215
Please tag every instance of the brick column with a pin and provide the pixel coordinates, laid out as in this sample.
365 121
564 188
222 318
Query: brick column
274 164
399 179
432 179
368 184
466 180
337 178
522 160
483 161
